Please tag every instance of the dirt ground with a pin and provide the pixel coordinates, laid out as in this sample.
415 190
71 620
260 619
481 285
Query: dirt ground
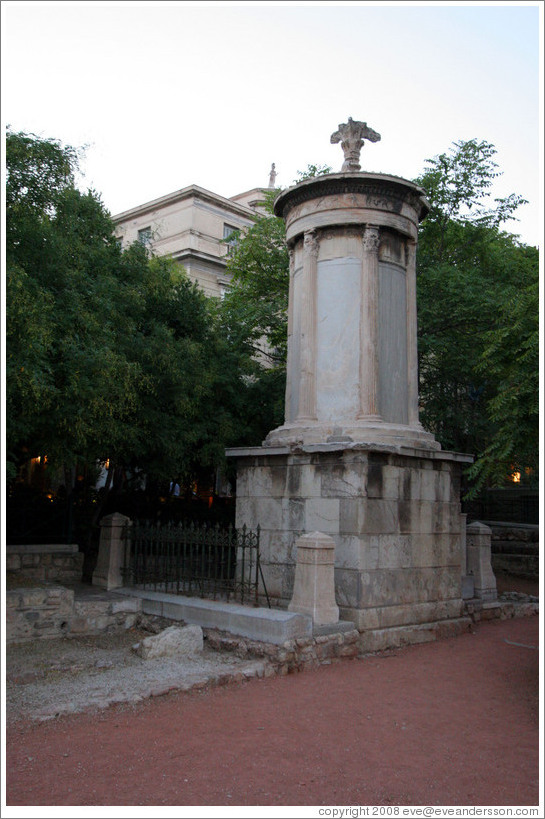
454 722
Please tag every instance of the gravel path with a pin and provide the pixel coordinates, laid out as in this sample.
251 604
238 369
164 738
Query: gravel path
47 678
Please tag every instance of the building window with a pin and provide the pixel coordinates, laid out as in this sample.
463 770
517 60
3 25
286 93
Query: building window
230 238
144 236
224 289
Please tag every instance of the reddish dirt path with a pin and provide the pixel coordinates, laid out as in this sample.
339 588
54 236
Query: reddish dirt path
448 723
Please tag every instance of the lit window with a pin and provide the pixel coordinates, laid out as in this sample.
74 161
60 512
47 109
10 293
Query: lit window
144 236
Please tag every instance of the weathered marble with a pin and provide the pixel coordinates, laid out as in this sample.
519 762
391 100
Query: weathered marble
351 460
314 586
394 516
352 364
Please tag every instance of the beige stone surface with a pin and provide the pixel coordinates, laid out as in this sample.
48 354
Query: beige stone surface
395 520
314 584
172 641
190 225
352 361
111 554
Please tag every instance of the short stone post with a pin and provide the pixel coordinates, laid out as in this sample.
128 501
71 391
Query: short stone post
479 562
314 586
111 552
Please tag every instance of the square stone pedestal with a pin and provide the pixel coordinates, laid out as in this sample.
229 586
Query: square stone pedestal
393 512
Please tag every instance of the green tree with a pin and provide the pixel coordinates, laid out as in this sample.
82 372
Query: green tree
253 317
469 272
511 359
111 354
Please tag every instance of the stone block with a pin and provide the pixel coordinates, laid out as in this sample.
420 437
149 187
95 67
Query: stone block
33 598
375 477
172 642
380 517
294 512
430 550
126 605
342 481
273 574
267 512
29 561
314 584
322 515
353 552
288 579
347 589
279 545
394 551
112 550
13 563
262 482
392 478
429 484
350 516
468 587
478 550
309 481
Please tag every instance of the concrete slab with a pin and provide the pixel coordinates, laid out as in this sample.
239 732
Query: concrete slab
265 625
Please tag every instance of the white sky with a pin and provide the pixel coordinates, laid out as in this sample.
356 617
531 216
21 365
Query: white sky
167 94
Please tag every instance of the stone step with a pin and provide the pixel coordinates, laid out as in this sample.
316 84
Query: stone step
262 624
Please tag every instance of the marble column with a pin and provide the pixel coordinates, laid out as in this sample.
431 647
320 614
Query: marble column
412 354
307 383
368 375
289 364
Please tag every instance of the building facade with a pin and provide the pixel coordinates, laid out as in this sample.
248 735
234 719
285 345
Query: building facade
193 225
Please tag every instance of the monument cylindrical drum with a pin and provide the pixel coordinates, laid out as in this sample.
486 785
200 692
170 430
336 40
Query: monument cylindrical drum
352 371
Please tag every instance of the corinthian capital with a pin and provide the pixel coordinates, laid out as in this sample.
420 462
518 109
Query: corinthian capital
371 238
311 243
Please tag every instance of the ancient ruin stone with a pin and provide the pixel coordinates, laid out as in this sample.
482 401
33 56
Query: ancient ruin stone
171 642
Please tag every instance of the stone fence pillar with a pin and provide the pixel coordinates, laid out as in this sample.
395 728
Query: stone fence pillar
314 586
479 564
111 552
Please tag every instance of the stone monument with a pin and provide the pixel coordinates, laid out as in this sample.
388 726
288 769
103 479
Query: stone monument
352 460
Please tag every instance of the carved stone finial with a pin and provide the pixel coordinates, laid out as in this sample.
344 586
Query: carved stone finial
351 135
272 176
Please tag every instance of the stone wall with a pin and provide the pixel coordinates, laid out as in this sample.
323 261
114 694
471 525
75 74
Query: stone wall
36 613
53 611
44 563
515 549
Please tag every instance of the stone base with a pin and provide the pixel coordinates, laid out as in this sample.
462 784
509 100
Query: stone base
393 512
389 638
368 431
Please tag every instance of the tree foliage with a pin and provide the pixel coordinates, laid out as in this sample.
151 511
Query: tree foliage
111 354
470 276
253 316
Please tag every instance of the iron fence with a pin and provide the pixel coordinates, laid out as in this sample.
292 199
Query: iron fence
194 560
